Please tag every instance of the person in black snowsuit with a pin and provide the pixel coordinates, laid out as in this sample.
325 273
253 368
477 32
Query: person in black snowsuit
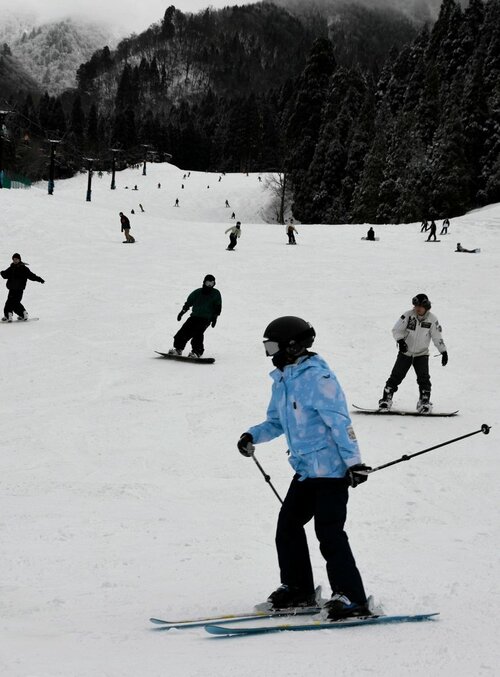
206 303
370 235
124 220
432 234
17 275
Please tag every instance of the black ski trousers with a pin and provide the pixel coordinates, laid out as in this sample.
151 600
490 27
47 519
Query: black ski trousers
232 241
13 303
291 237
325 499
193 328
401 367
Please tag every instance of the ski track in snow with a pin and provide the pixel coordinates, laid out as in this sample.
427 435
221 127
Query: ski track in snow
123 495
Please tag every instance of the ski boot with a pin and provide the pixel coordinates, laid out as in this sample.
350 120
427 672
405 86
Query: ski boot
340 607
424 405
288 597
174 351
24 317
193 354
7 318
385 403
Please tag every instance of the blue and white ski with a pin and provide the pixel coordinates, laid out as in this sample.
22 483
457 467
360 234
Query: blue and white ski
225 631
234 618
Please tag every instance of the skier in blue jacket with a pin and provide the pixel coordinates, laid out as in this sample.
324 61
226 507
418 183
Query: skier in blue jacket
308 406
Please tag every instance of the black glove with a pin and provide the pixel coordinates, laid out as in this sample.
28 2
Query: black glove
42 281
403 347
444 358
245 445
214 322
354 476
179 316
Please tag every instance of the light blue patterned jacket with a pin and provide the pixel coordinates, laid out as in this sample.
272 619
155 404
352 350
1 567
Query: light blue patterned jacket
309 407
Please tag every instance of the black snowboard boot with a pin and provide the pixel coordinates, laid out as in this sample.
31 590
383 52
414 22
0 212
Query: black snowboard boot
386 401
286 597
424 405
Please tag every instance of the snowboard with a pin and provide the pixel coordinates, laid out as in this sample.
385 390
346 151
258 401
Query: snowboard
401 412
182 358
433 240
375 240
470 251
30 319
227 631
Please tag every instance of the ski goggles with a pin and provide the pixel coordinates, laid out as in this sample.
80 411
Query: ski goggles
209 283
272 347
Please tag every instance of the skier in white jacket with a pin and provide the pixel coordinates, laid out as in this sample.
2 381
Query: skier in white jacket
413 333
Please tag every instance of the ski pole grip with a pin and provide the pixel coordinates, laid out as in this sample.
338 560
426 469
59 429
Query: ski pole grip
485 428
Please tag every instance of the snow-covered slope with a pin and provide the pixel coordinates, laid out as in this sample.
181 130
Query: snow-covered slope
123 495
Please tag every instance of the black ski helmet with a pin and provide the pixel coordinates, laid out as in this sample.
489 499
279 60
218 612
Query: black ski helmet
288 333
421 300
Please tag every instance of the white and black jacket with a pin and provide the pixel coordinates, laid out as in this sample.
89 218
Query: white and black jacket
418 331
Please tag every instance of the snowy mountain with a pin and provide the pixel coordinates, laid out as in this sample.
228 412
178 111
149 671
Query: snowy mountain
123 494
52 52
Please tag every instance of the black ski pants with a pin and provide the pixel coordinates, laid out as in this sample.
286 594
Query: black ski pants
232 241
193 328
401 367
325 499
291 237
13 303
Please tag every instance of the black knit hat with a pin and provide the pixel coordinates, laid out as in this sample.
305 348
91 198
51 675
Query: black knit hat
16 256
421 300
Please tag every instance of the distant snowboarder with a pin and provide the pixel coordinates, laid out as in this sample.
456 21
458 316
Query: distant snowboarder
446 225
17 275
424 226
176 202
234 234
370 235
206 302
413 333
462 249
227 203
432 233
290 231
124 220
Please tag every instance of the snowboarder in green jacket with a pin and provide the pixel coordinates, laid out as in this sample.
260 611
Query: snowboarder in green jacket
206 304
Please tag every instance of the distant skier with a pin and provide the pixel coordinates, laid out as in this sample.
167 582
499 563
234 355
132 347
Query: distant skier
424 226
370 235
446 225
233 215
206 302
176 202
124 220
159 185
17 275
432 233
234 234
227 203
290 231
413 333
309 407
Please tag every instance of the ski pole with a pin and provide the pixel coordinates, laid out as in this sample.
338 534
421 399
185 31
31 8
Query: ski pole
483 429
267 478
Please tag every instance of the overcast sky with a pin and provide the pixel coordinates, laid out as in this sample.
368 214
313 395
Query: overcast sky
130 15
